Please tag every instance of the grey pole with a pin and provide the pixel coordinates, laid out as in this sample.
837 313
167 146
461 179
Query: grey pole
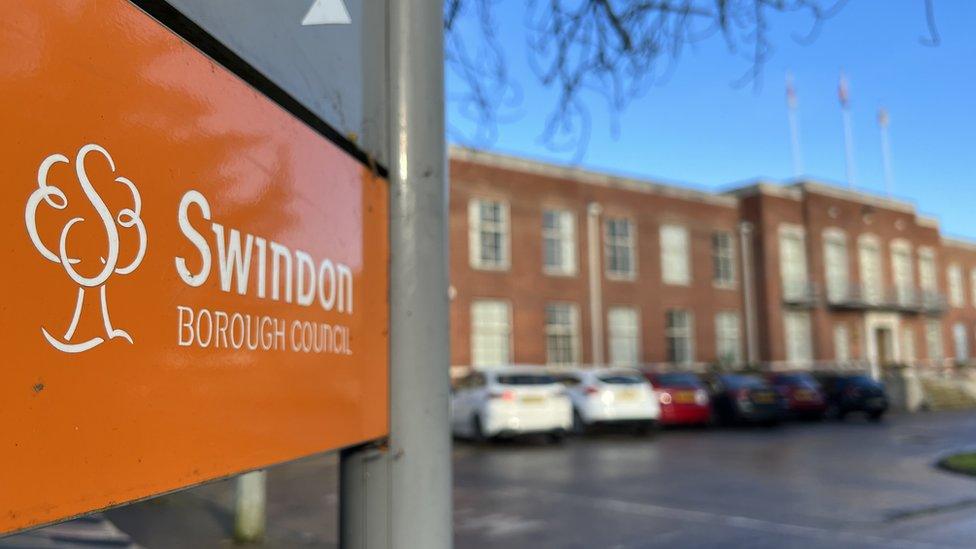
399 495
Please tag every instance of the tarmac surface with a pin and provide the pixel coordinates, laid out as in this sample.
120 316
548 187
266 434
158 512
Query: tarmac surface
852 484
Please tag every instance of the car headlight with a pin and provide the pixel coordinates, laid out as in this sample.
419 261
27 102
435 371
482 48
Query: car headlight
665 398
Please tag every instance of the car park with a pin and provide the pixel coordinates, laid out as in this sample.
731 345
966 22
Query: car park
610 396
506 402
744 398
683 398
801 394
846 393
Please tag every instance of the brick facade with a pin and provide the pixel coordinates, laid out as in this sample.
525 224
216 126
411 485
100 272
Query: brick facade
755 216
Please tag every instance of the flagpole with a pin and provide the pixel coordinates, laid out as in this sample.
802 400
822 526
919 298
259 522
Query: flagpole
791 104
842 93
883 121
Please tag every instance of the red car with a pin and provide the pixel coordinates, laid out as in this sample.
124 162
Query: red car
683 397
801 394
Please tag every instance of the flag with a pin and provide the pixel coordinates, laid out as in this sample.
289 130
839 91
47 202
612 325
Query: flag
790 92
883 118
842 92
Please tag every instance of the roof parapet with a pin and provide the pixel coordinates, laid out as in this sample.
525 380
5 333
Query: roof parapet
590 177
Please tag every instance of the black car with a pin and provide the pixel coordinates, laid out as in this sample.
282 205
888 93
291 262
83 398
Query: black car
848 393
742 398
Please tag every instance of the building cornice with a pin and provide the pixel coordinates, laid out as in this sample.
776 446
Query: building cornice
817 187
580 175
954 242
765 188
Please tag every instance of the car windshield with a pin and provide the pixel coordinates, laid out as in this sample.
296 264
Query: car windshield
621 379
743 382
797 380
525 379
862 381
678 380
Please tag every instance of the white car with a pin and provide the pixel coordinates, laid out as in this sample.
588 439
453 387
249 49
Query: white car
610 396
509 401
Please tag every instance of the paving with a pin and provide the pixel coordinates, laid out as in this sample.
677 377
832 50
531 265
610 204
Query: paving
853 484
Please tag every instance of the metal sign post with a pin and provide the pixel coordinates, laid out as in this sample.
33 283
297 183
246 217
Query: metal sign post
399 495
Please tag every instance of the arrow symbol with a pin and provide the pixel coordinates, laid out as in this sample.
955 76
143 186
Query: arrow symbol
327 12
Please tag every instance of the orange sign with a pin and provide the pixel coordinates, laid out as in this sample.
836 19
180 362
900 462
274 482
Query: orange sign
195 282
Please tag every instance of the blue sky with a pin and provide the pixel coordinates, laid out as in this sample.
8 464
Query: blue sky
698 130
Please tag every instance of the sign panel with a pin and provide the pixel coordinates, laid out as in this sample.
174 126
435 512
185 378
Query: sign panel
195 282
330 55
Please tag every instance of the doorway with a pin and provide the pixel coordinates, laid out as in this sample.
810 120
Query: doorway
885 344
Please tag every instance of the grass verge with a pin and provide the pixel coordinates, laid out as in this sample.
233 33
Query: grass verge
964 463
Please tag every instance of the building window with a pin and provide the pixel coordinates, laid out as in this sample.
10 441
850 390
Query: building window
623 326
559 242
836 265
675 264
723 259
491 332
793 262
562 334
901 268
956 295
869 259
842 343
798 341
728 346
933 339
960 340
907 344
972 285
488 234
678 333
619 248
926 270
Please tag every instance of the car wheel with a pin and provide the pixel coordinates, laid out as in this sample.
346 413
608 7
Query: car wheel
556 437
832 412
477 431
875 416
579 426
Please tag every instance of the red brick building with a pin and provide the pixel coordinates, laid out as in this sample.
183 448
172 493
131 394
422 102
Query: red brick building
565 266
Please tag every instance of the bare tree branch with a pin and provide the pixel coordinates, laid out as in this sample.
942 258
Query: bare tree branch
617 49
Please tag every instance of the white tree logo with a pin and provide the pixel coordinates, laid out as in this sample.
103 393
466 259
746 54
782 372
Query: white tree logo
126 218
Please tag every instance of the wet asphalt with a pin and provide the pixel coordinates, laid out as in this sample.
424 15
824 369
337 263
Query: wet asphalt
838 485
851 484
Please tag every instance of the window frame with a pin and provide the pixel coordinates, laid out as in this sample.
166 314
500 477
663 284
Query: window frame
570 232
836 237
721 317
635 337
472 329
611 242
793 289
574 333
729 256
808 335
956 285
904 289
669 334
476 230
871 294
667 276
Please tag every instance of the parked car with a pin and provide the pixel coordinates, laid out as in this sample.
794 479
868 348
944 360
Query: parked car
610 396
510 401
742 398
683 398
801 393
846 393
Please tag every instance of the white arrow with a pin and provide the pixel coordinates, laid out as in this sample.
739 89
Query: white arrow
327 12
